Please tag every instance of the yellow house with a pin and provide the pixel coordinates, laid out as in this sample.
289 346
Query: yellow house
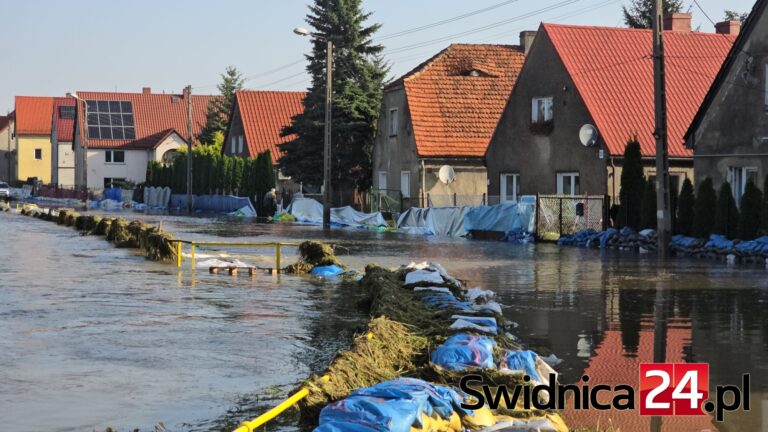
34 117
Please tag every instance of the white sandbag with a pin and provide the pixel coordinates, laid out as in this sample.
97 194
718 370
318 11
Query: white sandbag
420 276
520 425
491 307
435 289
475 294
481 324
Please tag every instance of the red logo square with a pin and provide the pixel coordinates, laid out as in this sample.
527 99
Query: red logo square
673 389
656 389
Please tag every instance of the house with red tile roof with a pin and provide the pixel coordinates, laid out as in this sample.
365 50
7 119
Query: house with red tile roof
257 120
7 148
729 134
441 113
121 132
600 76
62 152
33 138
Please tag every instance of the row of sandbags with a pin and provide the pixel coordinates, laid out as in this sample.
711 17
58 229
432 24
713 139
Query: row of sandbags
612 238
718 246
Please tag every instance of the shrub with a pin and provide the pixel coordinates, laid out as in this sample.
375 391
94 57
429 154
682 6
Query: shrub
648 207
704 209
685 205
726 213
632 185
749 220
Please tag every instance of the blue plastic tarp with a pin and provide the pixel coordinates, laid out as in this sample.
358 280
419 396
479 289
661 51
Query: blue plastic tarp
506 218
719 242
525 361
440 221
463 351
447 301
212 203
758 245
310 211
327 271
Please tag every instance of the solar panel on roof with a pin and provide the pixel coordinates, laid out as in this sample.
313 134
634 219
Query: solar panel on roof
110 120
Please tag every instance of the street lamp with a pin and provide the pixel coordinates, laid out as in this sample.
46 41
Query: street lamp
85 141
328 107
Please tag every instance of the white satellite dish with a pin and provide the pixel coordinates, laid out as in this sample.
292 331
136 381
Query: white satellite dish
588 135
446 174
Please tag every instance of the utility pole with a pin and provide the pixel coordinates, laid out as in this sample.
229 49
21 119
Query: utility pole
663 213
10 131
327 141
188 97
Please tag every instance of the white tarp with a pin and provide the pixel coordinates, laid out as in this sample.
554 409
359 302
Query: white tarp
157 197
308 210
507 217
441 221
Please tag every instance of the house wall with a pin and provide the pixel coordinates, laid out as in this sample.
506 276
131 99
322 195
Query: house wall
134 168
734 130
66 164
681 168
172 143
7 160
28 166
235 135
538 158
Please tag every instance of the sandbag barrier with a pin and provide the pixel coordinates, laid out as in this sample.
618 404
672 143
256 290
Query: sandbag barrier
427 331
156 244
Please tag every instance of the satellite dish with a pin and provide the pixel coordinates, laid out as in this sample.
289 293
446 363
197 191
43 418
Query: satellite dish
446 174
588 135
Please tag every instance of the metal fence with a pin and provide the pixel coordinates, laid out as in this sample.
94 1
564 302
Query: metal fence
385 201
61 192
565 215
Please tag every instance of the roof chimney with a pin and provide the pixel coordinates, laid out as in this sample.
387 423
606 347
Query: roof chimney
731 27
146 90
526 40
677 22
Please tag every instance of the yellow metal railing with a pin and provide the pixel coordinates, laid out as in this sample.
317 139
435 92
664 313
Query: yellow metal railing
194 244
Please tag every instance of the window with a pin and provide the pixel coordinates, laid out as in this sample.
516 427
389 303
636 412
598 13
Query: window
510 187
541 109
110 182
67 112
675 181
114 156
240 144
39 154
739 177
382 180
405 183
110 120
393 122
568 183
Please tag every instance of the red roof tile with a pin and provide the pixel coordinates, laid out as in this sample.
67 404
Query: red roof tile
153 113
34 115
453 113
264 115
154 140
64 127
612 69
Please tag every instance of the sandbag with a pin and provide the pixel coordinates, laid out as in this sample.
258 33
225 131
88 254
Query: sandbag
463 351
326 271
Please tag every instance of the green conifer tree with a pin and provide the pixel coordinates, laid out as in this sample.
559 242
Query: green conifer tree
648 207
219 109
639 14
704 209
749 219
632 185
685 205
726 213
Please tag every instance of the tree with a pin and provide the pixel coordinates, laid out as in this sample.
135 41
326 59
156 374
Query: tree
726 213
749 220
685 206
648 206
735 16
632 185
764 209
703 210
639 14
358 76
219 109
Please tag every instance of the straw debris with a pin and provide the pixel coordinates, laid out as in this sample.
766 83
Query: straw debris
312 254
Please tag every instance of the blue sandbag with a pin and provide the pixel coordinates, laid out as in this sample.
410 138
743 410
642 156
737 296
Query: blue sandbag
327 271
758 245
524 360
685 241
447 301
463 351
719 242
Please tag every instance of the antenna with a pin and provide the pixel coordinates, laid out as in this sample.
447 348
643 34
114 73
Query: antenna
446 174
588 135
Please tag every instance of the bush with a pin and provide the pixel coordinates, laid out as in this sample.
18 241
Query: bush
764 209
751 203
648 207
632 185
685 205
726 213
704 209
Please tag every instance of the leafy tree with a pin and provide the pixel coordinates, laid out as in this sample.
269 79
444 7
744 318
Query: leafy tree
358 75
648 207
726 213
632 185
704 209
639 14
764 209
219 109
685 206
749 220
735 16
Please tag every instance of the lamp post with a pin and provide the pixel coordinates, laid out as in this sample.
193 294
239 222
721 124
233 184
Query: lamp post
327 136
85 142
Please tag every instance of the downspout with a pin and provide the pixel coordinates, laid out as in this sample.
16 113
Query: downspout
423 184
613 179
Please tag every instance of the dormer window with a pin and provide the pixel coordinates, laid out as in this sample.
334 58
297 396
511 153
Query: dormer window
474 73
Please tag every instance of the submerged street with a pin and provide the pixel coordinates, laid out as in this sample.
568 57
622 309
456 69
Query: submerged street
93 336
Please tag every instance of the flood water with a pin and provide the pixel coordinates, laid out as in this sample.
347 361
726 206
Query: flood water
92 336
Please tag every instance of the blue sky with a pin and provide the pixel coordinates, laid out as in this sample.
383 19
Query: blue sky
53 47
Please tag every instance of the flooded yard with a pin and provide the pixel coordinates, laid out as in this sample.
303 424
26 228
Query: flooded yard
92 336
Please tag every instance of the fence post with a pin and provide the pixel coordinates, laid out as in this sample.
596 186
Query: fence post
484 202
560 199
606 212
536 216
178 254
427 200
454 199
192 256
277 256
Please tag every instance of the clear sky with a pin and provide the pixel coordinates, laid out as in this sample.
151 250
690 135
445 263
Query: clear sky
52 47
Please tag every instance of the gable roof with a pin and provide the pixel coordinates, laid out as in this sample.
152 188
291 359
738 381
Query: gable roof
264 115
612 69
153 113
454 113
65 128
738 46
33 115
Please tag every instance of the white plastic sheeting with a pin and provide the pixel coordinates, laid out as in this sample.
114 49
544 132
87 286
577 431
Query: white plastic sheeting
507 217
157 197
308 210
423 275
441 221
212 203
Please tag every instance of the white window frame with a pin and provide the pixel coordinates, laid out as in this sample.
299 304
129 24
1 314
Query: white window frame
393 122
503 187
35 154
572 186
109 157
382 184
546 102
405 184
737 177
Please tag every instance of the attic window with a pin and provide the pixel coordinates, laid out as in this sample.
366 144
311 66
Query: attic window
475 73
